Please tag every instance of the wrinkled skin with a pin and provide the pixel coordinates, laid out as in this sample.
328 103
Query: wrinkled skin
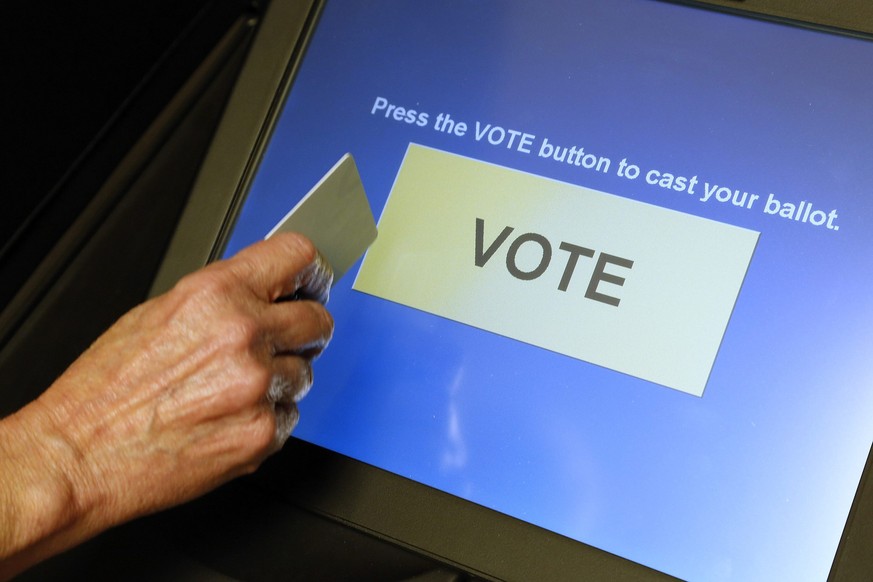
183 393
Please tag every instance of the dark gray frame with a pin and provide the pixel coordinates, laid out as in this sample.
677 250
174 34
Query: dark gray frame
453 531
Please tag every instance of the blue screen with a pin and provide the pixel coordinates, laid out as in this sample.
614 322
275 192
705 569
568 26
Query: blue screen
754 479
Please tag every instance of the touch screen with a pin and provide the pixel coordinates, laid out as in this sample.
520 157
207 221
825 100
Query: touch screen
621 284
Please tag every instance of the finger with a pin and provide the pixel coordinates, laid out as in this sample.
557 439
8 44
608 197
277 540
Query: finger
297 327
286 419
280 266
291 382
292 379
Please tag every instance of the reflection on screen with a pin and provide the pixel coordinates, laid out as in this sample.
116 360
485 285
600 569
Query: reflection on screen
623 292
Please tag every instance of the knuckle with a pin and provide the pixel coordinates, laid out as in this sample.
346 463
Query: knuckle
249 384
256 380
239 332
209 293
260 377
252 464
263 433
211 281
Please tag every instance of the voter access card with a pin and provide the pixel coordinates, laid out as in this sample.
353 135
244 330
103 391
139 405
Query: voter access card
336 216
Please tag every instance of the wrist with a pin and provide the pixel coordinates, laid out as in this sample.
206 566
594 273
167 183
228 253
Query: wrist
39 507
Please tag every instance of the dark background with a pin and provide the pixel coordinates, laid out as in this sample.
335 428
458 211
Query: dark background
69 68
82 82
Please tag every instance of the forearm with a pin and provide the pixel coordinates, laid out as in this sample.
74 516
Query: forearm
39 511
183 393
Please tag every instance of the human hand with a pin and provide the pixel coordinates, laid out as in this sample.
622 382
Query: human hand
183 393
